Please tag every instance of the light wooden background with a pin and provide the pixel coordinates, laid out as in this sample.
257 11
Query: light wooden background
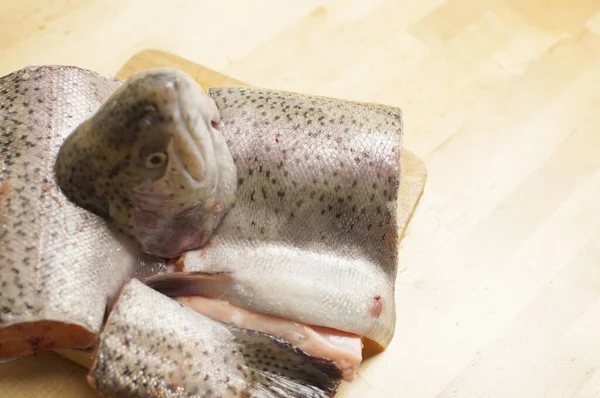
498 294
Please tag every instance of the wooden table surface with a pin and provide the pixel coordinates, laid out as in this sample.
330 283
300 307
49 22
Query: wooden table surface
499 283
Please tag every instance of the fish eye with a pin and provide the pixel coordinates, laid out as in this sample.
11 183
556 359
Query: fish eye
155 160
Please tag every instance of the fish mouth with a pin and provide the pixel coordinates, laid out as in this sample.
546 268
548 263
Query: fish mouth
191 140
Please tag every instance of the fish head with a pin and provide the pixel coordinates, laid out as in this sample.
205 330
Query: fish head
156 164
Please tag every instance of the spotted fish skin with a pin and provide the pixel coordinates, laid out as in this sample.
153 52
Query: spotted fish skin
313 235
59 265
182 353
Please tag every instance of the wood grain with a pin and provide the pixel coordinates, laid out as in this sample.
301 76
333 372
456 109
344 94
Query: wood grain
499 294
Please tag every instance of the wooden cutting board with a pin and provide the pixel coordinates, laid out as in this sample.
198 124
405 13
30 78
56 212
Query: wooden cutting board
414 175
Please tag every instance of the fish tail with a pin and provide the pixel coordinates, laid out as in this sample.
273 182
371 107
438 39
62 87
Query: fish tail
275 368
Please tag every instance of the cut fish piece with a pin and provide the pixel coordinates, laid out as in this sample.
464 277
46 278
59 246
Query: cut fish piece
180 353
60 266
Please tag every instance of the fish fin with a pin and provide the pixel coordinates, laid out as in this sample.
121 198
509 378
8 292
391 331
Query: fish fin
177 284
278 369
